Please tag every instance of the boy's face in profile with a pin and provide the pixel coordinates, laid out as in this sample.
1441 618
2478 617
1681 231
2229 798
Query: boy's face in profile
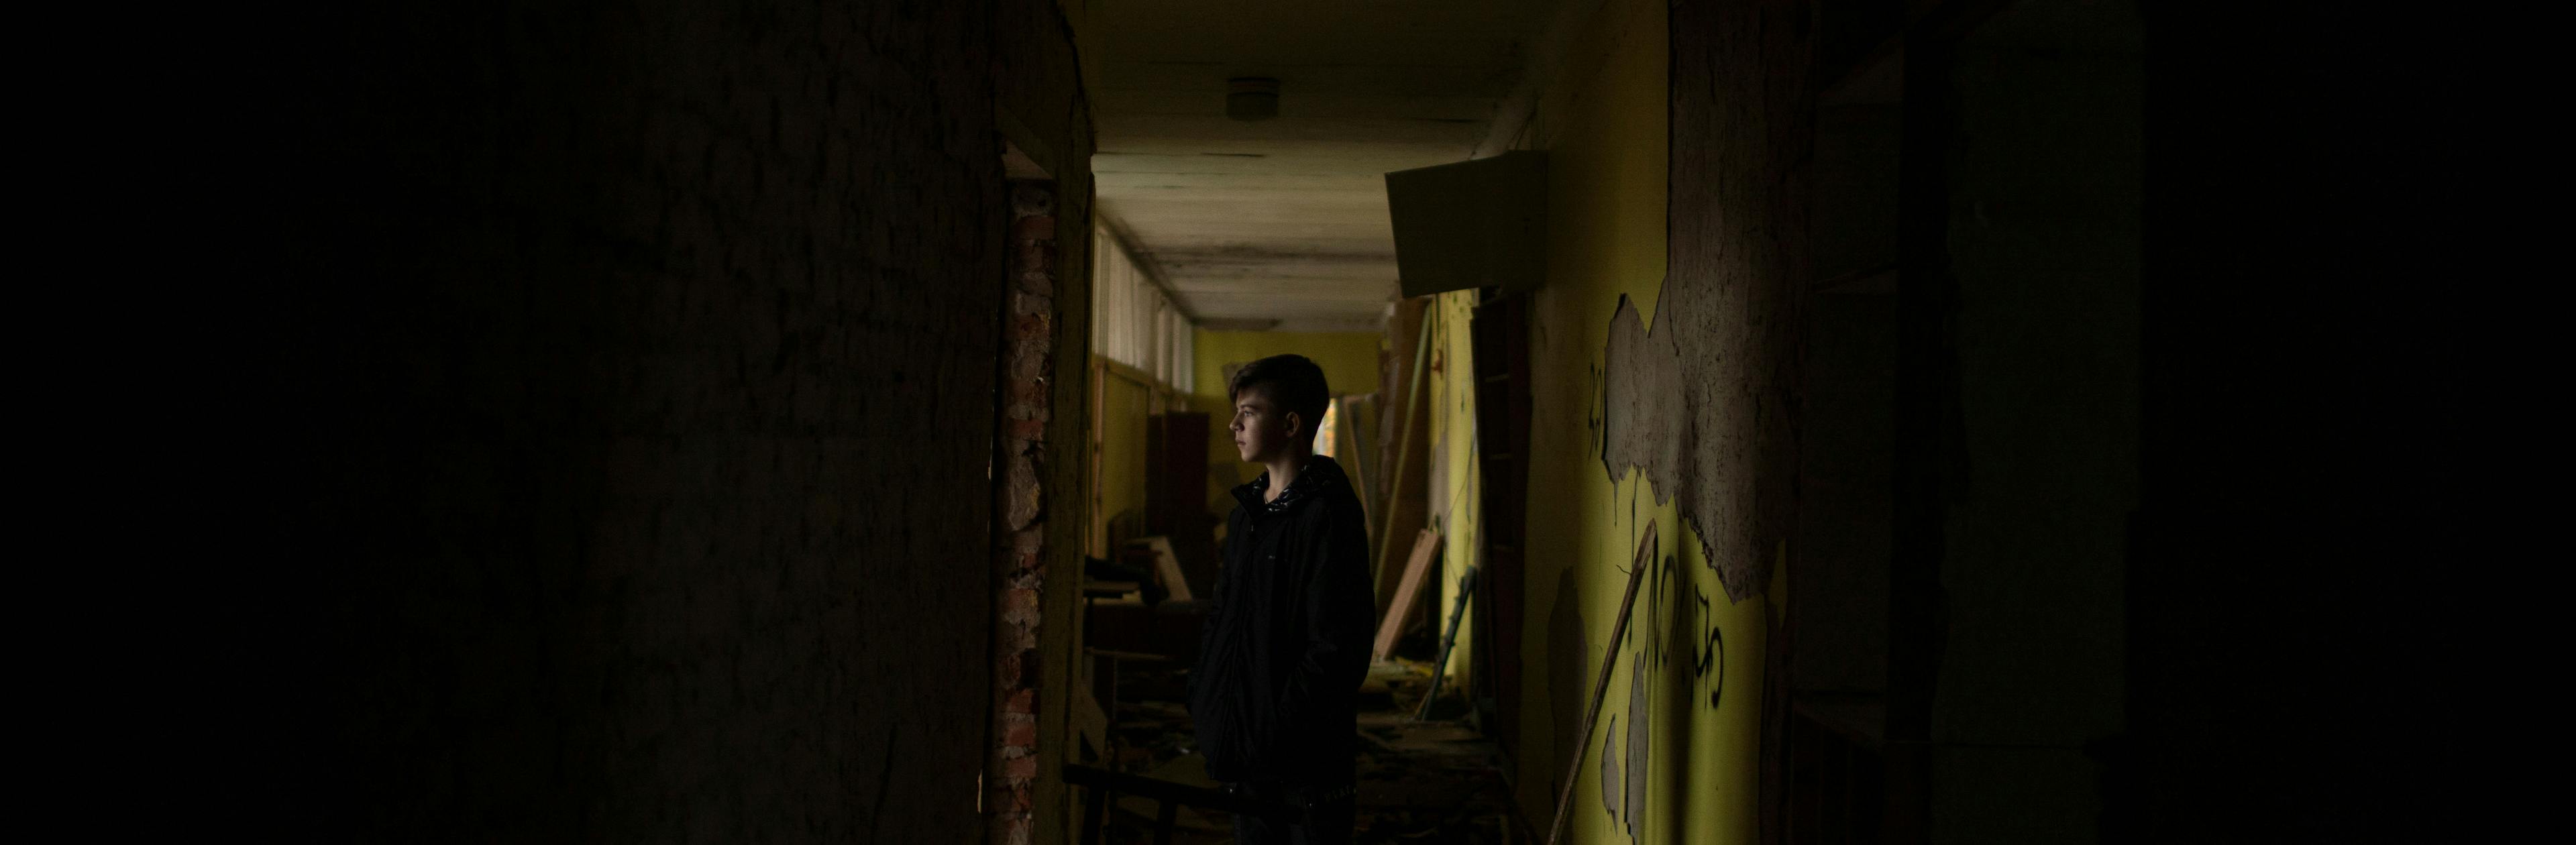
1262 430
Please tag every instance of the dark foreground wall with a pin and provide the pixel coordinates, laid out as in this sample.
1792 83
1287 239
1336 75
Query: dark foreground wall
2306 603
618 446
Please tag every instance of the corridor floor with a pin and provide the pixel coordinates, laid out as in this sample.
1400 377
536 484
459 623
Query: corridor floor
1419 782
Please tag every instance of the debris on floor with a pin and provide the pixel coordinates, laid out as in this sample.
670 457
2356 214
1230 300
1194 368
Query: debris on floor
1418 782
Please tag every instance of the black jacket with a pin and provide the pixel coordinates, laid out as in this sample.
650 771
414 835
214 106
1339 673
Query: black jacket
1283 654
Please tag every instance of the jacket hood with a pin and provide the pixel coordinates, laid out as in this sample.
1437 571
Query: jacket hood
1320 477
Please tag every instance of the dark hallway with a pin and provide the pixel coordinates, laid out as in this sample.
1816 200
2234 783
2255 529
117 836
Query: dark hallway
1777 420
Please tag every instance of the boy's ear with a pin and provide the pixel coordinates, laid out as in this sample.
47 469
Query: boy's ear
1296 423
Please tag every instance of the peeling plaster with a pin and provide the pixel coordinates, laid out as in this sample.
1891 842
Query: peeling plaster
1703 403
1611 801
1639 742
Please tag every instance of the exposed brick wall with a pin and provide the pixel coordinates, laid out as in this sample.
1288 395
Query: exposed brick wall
1028 369
1039 78
639 381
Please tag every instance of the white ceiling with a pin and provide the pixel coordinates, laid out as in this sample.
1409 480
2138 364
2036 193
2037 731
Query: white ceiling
1286 218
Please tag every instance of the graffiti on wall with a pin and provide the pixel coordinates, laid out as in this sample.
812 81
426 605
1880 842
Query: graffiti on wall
1709 669
1674 637
1674 623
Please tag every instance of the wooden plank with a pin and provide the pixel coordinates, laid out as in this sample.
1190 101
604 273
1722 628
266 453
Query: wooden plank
1648 553
1167 567
1107 589
1090 722
1439 667
1403 470
1359 416
1417 570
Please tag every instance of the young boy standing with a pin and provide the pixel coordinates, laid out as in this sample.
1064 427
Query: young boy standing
1280 663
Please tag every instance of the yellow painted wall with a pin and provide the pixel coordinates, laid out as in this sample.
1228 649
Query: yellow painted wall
1606 139
1453 421
1349 361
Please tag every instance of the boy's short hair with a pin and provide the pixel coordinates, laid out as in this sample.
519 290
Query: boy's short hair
1294 382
